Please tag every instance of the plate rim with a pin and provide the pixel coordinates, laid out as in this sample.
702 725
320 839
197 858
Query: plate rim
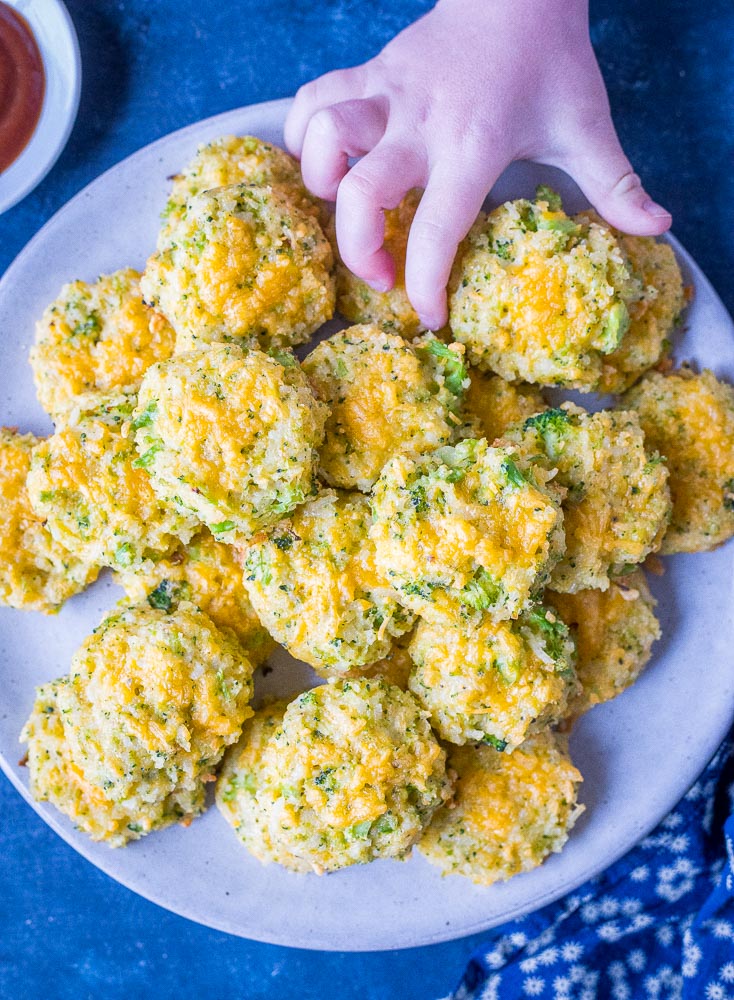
69 835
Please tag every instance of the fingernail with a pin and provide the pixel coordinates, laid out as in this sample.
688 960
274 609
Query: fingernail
652 208
432 323
380 286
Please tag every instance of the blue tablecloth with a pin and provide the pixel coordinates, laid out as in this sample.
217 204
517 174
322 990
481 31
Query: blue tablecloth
151 66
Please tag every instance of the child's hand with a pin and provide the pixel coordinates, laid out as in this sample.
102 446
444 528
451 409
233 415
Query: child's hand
446 106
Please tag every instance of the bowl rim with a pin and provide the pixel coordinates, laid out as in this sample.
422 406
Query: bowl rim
52 131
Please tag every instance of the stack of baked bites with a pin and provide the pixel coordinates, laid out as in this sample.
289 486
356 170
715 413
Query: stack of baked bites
403 511
174 434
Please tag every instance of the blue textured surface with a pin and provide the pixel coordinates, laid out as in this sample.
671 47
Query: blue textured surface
150 67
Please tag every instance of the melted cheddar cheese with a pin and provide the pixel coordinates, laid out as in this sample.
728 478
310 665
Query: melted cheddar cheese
689 419
386 397
36 572
509 812
244 265
494 682
313 581
614 631
97 337
229 436
345 774
127 741
465 531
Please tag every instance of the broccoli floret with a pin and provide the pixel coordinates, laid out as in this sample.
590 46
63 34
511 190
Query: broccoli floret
552 426
164 596
615 326
360 831
288 498
493 741
386 824
423 589
555 419
258 567
325 780
555 634
513 474
418 498
455 460
532 218
221 527
528 218
90 327
566 226
146 417
482 592
551 197
452 363
124 554
284 358
146 459
503 249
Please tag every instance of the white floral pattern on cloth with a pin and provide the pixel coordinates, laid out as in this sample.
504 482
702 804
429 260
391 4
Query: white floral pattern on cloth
657 925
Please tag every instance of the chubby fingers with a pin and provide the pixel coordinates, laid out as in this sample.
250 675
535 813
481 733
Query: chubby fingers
379 181
332 88
447 211
605 175
334 134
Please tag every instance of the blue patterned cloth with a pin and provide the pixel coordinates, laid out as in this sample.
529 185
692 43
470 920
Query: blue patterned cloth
657 925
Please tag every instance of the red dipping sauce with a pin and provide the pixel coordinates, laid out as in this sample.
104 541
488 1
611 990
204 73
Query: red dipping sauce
22 85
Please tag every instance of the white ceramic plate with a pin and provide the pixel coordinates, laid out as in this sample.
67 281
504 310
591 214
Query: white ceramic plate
50 22
638 754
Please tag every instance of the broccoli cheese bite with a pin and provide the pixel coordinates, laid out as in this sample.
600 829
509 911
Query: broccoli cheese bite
126 742
358 302
235 160
313 582
36 573
97 337
386 397
491 404
206 573
347 773
245 265
230 436
653 316
614 630
495 682
87 483
689 418
617 505
508 813
536 295
467 530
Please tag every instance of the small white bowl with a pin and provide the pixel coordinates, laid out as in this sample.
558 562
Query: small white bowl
56 38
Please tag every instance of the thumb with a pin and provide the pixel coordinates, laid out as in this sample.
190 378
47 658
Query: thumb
606 177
